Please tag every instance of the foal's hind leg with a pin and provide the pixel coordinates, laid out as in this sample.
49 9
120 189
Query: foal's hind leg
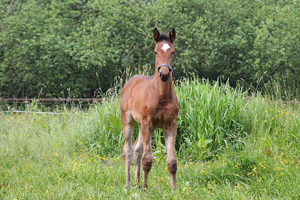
128 126
138 152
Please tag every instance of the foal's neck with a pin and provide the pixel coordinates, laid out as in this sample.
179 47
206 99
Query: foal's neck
165 89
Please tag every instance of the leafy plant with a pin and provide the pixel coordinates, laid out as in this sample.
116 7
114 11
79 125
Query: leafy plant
73 48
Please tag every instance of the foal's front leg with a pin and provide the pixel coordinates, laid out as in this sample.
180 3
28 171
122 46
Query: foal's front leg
170 136
147 158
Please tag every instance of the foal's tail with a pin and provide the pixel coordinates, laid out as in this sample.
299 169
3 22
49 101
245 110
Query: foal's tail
136 141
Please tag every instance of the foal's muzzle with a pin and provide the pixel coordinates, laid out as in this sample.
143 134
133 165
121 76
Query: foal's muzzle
165 77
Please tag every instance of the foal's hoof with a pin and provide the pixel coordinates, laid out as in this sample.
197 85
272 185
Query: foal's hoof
127 186
145 187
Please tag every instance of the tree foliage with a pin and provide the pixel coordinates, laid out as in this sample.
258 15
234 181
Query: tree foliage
72 47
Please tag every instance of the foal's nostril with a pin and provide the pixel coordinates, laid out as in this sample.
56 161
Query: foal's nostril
164 77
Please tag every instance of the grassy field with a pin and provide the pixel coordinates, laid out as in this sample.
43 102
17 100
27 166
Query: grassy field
230 146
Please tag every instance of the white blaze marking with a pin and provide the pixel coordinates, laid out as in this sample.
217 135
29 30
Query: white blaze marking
165 47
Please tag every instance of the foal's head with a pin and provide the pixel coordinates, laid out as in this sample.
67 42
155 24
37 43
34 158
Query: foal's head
164 51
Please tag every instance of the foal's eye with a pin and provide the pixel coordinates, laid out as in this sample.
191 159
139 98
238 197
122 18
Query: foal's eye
173 53
155 52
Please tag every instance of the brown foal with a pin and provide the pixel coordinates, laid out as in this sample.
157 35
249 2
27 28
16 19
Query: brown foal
152 102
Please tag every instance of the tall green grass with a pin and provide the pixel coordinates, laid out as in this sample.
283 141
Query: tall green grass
212 117
230 146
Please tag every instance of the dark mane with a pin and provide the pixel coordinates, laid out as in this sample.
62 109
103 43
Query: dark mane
163 37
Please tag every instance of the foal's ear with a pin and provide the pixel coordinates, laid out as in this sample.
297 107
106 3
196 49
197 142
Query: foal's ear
172 35
156 35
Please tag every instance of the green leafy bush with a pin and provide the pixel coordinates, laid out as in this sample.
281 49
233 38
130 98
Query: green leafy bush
71 48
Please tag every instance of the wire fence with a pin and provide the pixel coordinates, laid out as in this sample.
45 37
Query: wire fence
28 112
26 100
50 99
15 101
17 105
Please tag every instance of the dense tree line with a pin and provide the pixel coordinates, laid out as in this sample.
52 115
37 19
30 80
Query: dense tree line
72 47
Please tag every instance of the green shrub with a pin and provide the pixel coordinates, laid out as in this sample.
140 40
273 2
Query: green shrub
72 48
